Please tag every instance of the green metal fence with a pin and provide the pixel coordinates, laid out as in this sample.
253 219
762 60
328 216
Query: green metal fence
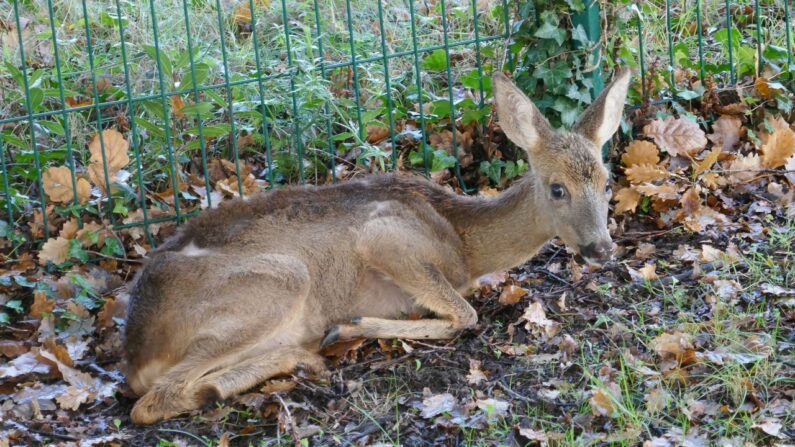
280 95
295 91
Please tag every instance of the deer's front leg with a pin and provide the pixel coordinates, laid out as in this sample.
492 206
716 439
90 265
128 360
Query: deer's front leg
411 255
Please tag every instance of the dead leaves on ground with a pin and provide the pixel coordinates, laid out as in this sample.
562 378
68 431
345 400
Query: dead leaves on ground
680 180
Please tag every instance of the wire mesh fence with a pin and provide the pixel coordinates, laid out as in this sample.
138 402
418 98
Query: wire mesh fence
163 93
139 113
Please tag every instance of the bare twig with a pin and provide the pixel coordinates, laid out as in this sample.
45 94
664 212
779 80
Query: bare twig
289 421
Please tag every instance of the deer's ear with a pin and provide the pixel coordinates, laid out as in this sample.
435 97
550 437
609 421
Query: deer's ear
519 118
601 120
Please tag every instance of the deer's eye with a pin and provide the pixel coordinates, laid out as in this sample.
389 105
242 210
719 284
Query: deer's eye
558 191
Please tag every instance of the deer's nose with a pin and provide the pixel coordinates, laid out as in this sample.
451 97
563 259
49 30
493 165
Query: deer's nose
597 251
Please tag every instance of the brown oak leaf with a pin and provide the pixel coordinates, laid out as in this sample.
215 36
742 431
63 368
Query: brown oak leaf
779 147
726 132
627 199
641 152
645 173
677 136
54 250
57 183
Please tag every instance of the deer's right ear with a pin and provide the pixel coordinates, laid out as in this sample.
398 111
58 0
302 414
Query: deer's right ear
519 118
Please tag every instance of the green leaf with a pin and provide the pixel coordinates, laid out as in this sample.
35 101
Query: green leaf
219 130
551 31
492 169
580 35
165 62
436 61
202 73
442 160
15 305
76 251
203 109
515 169
113 247
5 318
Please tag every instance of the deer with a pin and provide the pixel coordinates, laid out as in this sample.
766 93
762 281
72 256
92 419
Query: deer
257 287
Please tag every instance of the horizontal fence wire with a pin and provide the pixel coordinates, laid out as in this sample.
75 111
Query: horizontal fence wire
214 101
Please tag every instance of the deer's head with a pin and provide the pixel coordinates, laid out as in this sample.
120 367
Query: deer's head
572 185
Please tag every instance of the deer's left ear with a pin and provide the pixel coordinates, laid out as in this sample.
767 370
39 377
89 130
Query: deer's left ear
601 119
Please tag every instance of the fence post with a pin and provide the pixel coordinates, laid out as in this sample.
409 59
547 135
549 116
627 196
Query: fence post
589 19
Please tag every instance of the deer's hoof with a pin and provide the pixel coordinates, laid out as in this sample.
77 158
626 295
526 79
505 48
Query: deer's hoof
332 336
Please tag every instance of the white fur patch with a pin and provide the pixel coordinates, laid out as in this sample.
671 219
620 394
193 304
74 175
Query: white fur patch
192 250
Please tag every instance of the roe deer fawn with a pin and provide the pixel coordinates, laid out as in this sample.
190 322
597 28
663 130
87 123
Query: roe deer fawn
256 287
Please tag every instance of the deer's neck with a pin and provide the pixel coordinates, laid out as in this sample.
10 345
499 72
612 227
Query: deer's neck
501 232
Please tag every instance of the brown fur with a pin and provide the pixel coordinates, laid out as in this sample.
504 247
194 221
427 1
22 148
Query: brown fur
254 288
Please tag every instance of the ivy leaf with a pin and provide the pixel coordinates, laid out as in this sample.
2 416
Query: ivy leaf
580 35
436 61
551 31
76 251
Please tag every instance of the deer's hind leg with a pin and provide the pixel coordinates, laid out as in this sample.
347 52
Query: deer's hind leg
240 329
414 262
176 395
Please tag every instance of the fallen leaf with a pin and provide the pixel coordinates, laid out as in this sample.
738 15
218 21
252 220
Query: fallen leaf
744 168
41 304
511 294
657 400
789 166
476 375
437 404
771 426
708 161
494 408
601 403
726 132
645 173
641 152
176 106
55 251
73 398
537 320
646 273
764 88
627 199
677 136
115 145
27 363
779 147
57 183
665 191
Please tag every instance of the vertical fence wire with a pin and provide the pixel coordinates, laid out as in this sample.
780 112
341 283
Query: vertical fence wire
197 99
388 84
418 79
166 111
98 110
355 69
297 140
669 35
230 103
729 35
699 31
135 141
31 122
326 104
789 38
6 184
261 91
478 53
758 23
450 96
70 160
